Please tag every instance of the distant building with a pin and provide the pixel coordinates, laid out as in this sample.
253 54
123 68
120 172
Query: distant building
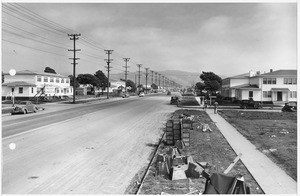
275 86
27 84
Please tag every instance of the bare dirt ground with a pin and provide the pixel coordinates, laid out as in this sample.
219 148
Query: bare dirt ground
273 133
98 153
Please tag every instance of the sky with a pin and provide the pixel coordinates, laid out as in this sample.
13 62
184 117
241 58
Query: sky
225 38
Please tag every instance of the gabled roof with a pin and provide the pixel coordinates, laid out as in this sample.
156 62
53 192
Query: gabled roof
18 83
28 72
281 72
241 76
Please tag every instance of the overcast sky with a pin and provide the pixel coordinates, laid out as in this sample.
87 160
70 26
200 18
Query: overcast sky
225 38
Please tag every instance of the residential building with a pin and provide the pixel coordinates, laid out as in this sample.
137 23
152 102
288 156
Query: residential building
27 84
275 86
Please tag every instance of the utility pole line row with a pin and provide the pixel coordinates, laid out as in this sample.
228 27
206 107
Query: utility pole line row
139 66
146 78
74 37
126 72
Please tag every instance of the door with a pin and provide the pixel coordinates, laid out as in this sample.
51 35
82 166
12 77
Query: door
279 96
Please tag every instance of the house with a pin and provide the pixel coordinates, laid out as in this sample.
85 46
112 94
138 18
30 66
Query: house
275 86
27 84
115 85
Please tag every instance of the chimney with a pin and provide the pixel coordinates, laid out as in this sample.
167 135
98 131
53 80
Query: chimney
271 70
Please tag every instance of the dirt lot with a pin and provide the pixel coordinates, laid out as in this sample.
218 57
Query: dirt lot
273 133
209 147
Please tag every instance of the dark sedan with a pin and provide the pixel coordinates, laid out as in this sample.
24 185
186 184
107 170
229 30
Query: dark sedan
290 107
24 107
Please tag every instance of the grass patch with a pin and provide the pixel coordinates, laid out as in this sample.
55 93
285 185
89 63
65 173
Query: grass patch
188 101
274 133
209 147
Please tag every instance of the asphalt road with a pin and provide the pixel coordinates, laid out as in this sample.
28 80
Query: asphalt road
84 149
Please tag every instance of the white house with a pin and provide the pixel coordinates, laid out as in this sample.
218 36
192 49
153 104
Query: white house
27 84
275 86
115 85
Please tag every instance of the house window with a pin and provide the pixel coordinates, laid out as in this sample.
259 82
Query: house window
250 93
45 79
267 94
269 81
290 81
51 79
67 81
20 90
62 80
57 80
57 91
293 94
62 91
31 90
38 78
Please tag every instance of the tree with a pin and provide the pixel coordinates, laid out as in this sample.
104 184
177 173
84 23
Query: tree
2 77
132 86
154 86
199 87
49 70
101 80
211 81
88 79
71 81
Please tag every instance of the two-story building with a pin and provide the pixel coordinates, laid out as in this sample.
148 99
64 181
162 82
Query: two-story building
275 86
27 84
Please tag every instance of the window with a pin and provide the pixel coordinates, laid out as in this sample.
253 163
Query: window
290 81
20 90
38 78
62 80
31 90
51 79
57 80
269 81
293 94
250 93
267 94
45 79
62 91
57 91
67 81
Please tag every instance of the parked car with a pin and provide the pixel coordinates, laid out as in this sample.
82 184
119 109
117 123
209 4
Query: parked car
24 107
125 95
250 103
142 94
174 100
290 107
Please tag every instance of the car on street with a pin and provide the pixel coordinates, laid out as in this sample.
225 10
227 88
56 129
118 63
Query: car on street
142 94
125 95
290 107
174 100
24 107
250 103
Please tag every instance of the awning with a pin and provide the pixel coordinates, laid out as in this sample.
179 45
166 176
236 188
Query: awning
18 83
280 89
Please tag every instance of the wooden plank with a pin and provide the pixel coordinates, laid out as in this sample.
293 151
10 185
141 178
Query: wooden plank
232 164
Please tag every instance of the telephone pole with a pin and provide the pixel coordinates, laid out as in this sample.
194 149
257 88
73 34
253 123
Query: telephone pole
152 77
74 37
159 80
146 78
108 60
139 65
126 73
163 82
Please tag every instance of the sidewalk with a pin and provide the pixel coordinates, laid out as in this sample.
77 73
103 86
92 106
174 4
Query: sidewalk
268 175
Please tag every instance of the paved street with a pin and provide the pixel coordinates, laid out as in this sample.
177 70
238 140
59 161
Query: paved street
94 149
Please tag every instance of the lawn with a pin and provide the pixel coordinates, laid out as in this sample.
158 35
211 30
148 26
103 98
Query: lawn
273 133
209 147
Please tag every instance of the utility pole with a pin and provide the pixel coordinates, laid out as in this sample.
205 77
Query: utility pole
152 77
146 78
139 66
126 73
74 37
108 60
159 80
163 82
156 78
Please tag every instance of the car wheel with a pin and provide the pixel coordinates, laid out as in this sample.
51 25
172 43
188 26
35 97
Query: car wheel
25 111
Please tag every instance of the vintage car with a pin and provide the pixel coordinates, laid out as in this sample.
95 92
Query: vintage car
174 100
24 107
142 94
250 103
290 107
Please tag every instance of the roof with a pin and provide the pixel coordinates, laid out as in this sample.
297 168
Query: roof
246 86
241 76
280 89
18 83
281 72
28 72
